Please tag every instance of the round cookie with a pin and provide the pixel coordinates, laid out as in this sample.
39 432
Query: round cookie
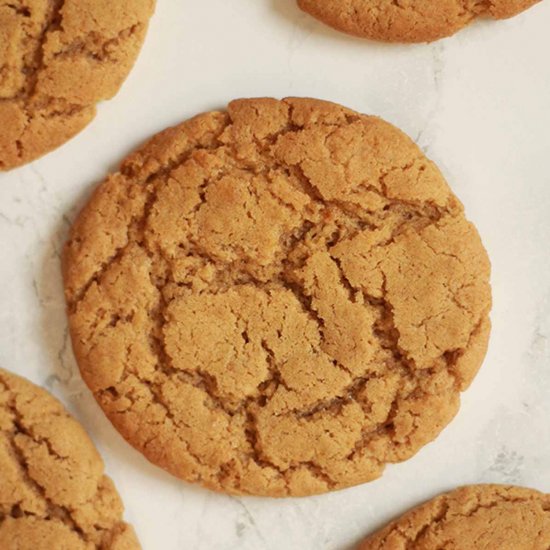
478 517
408 20
58 58
277 299
53 493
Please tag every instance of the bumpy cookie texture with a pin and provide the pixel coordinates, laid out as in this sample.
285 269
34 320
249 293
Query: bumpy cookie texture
277 299
58 58
408 20
53 493
479 517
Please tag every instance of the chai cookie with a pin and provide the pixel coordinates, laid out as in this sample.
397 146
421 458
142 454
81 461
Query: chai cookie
408 20
53 492
277 299
57 60
478 517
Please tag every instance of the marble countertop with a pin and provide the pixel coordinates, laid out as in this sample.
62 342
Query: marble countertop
477 103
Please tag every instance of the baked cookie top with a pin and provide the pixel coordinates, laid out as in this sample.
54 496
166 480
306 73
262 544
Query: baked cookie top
479 517
53 493
408 20
277 299
58 58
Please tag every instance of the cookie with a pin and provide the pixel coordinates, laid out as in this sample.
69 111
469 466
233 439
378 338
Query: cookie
58 58
408 20
277 299
53 493
479 517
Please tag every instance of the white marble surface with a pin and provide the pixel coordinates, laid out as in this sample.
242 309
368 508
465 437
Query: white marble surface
478 103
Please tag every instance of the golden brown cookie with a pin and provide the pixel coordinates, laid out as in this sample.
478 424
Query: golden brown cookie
479 517
58 58
408 20
277 299
53 493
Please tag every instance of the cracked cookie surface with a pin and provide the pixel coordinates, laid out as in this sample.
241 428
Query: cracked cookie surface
277 299
408 20
53 492
58 58
477 517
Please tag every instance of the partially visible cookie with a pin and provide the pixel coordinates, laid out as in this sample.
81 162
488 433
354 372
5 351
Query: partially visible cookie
53 492
277 299
478 517
58 58
408 20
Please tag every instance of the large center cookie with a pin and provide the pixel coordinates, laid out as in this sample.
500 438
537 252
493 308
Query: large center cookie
408 20
58 58
478 517
53 492
277 299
